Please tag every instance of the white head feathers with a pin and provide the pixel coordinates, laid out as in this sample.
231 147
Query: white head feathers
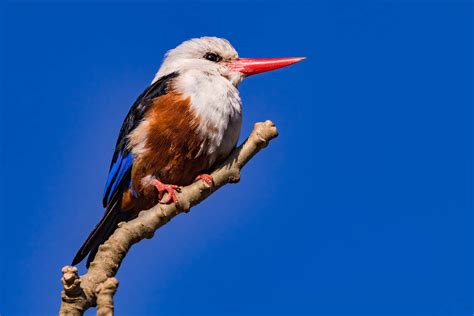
191 55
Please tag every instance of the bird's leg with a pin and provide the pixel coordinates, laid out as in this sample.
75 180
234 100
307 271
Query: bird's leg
165 188
207 178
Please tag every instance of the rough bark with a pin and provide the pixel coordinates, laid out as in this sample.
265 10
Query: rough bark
98 286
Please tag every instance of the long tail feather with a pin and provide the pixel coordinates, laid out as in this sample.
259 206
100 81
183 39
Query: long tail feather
104 229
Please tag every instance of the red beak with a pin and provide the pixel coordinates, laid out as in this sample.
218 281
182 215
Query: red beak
252 66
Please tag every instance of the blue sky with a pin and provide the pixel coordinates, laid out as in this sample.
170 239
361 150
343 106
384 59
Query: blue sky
363 204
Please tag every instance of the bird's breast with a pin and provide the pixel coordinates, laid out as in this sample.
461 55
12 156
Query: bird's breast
215 101
175 142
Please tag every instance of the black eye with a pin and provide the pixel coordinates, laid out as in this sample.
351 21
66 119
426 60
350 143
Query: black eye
213 57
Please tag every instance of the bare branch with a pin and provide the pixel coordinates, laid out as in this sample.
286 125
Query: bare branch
73 297
98 285
105 297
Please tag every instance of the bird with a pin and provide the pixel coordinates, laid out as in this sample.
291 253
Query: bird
186 122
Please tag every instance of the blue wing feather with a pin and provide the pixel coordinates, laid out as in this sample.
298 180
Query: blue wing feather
120 169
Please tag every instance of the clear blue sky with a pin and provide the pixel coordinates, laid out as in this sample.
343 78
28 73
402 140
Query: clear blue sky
362 205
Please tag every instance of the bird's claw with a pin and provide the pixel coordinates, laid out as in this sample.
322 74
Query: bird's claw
207 178
163 188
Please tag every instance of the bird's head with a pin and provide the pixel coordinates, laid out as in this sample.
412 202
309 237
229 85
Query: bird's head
217 57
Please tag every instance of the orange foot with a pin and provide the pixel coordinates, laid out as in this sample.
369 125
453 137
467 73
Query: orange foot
166 188
206 178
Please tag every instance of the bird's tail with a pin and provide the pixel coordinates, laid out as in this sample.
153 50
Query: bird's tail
104 229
